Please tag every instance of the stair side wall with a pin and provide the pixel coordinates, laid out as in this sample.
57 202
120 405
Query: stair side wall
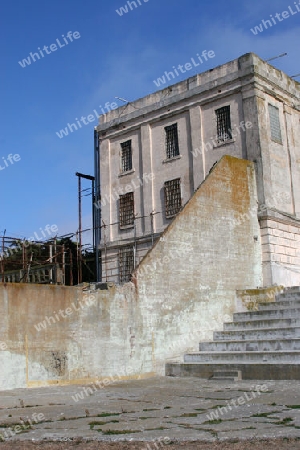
187 283
250 299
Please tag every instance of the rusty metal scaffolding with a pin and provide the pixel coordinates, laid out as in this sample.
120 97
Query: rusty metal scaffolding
120 250
24 261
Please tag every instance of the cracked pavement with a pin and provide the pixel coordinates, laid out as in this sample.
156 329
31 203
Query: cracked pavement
162 409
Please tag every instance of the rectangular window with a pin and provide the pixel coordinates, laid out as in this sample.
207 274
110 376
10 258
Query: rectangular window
126 265
223 124
172 197
126 156
275 124
126 212
172 146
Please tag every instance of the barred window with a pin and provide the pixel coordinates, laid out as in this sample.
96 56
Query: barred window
126 211
172 146
223 124
172 197
126 263
275 124
126 156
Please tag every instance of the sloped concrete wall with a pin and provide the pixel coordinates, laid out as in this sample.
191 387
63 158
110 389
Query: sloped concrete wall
182 291
187 282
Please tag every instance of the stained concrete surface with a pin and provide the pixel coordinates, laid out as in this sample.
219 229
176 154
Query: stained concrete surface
160 412
173 302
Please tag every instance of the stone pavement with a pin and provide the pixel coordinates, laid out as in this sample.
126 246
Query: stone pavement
160 410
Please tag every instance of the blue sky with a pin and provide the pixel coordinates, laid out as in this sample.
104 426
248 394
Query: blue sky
114 56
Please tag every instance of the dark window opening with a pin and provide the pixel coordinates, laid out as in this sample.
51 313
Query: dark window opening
126 212
224 132
172 197
126 264
126 156
172 146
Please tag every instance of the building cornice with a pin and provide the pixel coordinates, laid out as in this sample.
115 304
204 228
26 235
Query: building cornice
256 74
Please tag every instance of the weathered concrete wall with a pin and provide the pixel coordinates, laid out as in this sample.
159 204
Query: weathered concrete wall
56 334
182 291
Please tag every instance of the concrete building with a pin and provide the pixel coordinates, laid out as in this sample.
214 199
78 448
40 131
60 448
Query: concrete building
156 151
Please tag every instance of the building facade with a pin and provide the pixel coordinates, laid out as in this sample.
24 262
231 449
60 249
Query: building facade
156 151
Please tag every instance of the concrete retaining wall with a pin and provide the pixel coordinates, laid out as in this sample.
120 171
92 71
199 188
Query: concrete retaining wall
182 291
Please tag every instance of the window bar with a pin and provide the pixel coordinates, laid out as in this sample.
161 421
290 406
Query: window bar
172 146
126 159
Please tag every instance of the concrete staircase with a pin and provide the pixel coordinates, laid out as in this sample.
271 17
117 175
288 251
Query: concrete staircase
261 345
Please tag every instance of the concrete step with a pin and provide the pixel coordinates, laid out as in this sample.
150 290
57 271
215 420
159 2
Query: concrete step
227 375
260 333
263 323
279 357
288 296
267 314
255 345
262 344
292 289
250 371
284 304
